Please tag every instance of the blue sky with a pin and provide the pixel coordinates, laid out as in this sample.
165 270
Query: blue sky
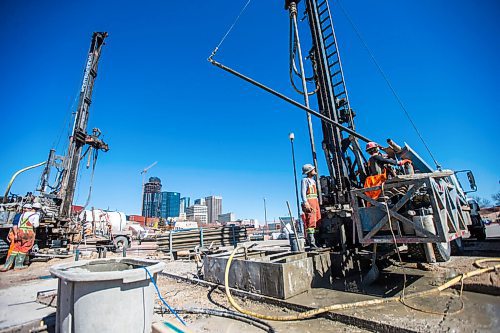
156 97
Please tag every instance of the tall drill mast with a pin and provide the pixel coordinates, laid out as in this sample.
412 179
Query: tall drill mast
79 137
333 102
343 155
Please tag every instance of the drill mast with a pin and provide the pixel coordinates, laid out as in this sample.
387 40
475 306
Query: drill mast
79 137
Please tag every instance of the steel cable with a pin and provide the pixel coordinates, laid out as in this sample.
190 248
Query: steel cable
229 30
386 79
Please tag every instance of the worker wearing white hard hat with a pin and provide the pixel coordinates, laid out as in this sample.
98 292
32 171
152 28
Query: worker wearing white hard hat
23 237
310 204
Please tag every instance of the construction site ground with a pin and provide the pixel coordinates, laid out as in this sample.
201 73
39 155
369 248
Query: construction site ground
181 288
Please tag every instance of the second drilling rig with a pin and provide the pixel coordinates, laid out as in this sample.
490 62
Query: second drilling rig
59 223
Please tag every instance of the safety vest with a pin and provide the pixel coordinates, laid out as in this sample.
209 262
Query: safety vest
372 181
23 223
311 191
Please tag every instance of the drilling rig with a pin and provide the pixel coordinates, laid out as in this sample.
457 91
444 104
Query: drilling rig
422 208
59 225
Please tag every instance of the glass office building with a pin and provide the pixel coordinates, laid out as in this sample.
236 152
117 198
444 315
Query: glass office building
170 204
151 198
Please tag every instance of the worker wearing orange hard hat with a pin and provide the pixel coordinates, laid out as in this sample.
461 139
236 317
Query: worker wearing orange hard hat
310 204
377 168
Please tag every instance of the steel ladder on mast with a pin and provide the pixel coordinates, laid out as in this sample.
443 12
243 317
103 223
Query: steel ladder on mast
334 62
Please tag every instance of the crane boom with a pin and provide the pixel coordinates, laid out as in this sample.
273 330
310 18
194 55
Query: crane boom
149 167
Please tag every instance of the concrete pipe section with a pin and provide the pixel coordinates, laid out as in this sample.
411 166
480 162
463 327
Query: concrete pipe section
105 295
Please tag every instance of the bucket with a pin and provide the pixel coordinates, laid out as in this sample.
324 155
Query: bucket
426 222
294 245
105 295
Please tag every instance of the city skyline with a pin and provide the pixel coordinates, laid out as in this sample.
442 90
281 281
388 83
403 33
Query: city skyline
171 205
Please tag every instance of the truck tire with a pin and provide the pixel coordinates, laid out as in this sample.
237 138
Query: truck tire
480 234
457 246
4 249
121 242
442 251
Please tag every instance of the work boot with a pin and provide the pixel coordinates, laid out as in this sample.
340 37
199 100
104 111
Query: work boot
20 261
8 263
312 241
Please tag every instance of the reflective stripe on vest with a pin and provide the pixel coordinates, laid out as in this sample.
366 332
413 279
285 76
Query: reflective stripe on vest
311 192
23 223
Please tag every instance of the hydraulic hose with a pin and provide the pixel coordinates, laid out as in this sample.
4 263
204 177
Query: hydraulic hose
6 195
229 314
314 312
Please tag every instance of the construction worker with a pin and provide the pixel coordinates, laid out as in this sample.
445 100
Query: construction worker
23 237
378 166
310 204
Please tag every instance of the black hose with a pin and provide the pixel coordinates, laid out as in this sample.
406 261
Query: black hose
259 323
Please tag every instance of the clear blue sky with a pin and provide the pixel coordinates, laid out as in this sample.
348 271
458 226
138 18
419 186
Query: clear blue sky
156 97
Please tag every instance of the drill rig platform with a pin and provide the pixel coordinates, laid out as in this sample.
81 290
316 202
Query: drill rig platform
424 209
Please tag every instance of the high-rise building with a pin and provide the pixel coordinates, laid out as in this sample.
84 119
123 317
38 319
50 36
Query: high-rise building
214 205
197 213
151 198
226 218
185 202
200 202
170 204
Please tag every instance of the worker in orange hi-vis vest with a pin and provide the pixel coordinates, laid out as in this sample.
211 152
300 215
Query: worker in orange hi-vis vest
23 237
377 169
310 204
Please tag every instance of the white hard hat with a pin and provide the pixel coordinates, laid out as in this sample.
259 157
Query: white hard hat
306 168
37 205
27 206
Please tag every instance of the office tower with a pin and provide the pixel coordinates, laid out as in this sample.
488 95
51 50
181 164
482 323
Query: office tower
151 198
200 202
185 202
170 204
197 213
226 218
214 205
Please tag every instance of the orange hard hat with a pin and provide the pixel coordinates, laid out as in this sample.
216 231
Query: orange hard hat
371 145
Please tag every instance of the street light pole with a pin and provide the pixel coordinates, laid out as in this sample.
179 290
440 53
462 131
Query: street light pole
292 137
265 216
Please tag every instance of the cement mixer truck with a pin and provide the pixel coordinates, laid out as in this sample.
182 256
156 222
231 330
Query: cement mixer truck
100 226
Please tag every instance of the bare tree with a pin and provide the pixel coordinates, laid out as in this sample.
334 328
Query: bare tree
496 198
482 202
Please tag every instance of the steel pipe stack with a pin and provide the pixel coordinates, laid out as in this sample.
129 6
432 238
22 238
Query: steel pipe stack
189 239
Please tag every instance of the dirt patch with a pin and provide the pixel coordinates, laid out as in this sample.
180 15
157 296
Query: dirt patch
488 283
183 295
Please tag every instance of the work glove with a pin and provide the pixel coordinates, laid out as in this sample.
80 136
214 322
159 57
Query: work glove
403 162
306 208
